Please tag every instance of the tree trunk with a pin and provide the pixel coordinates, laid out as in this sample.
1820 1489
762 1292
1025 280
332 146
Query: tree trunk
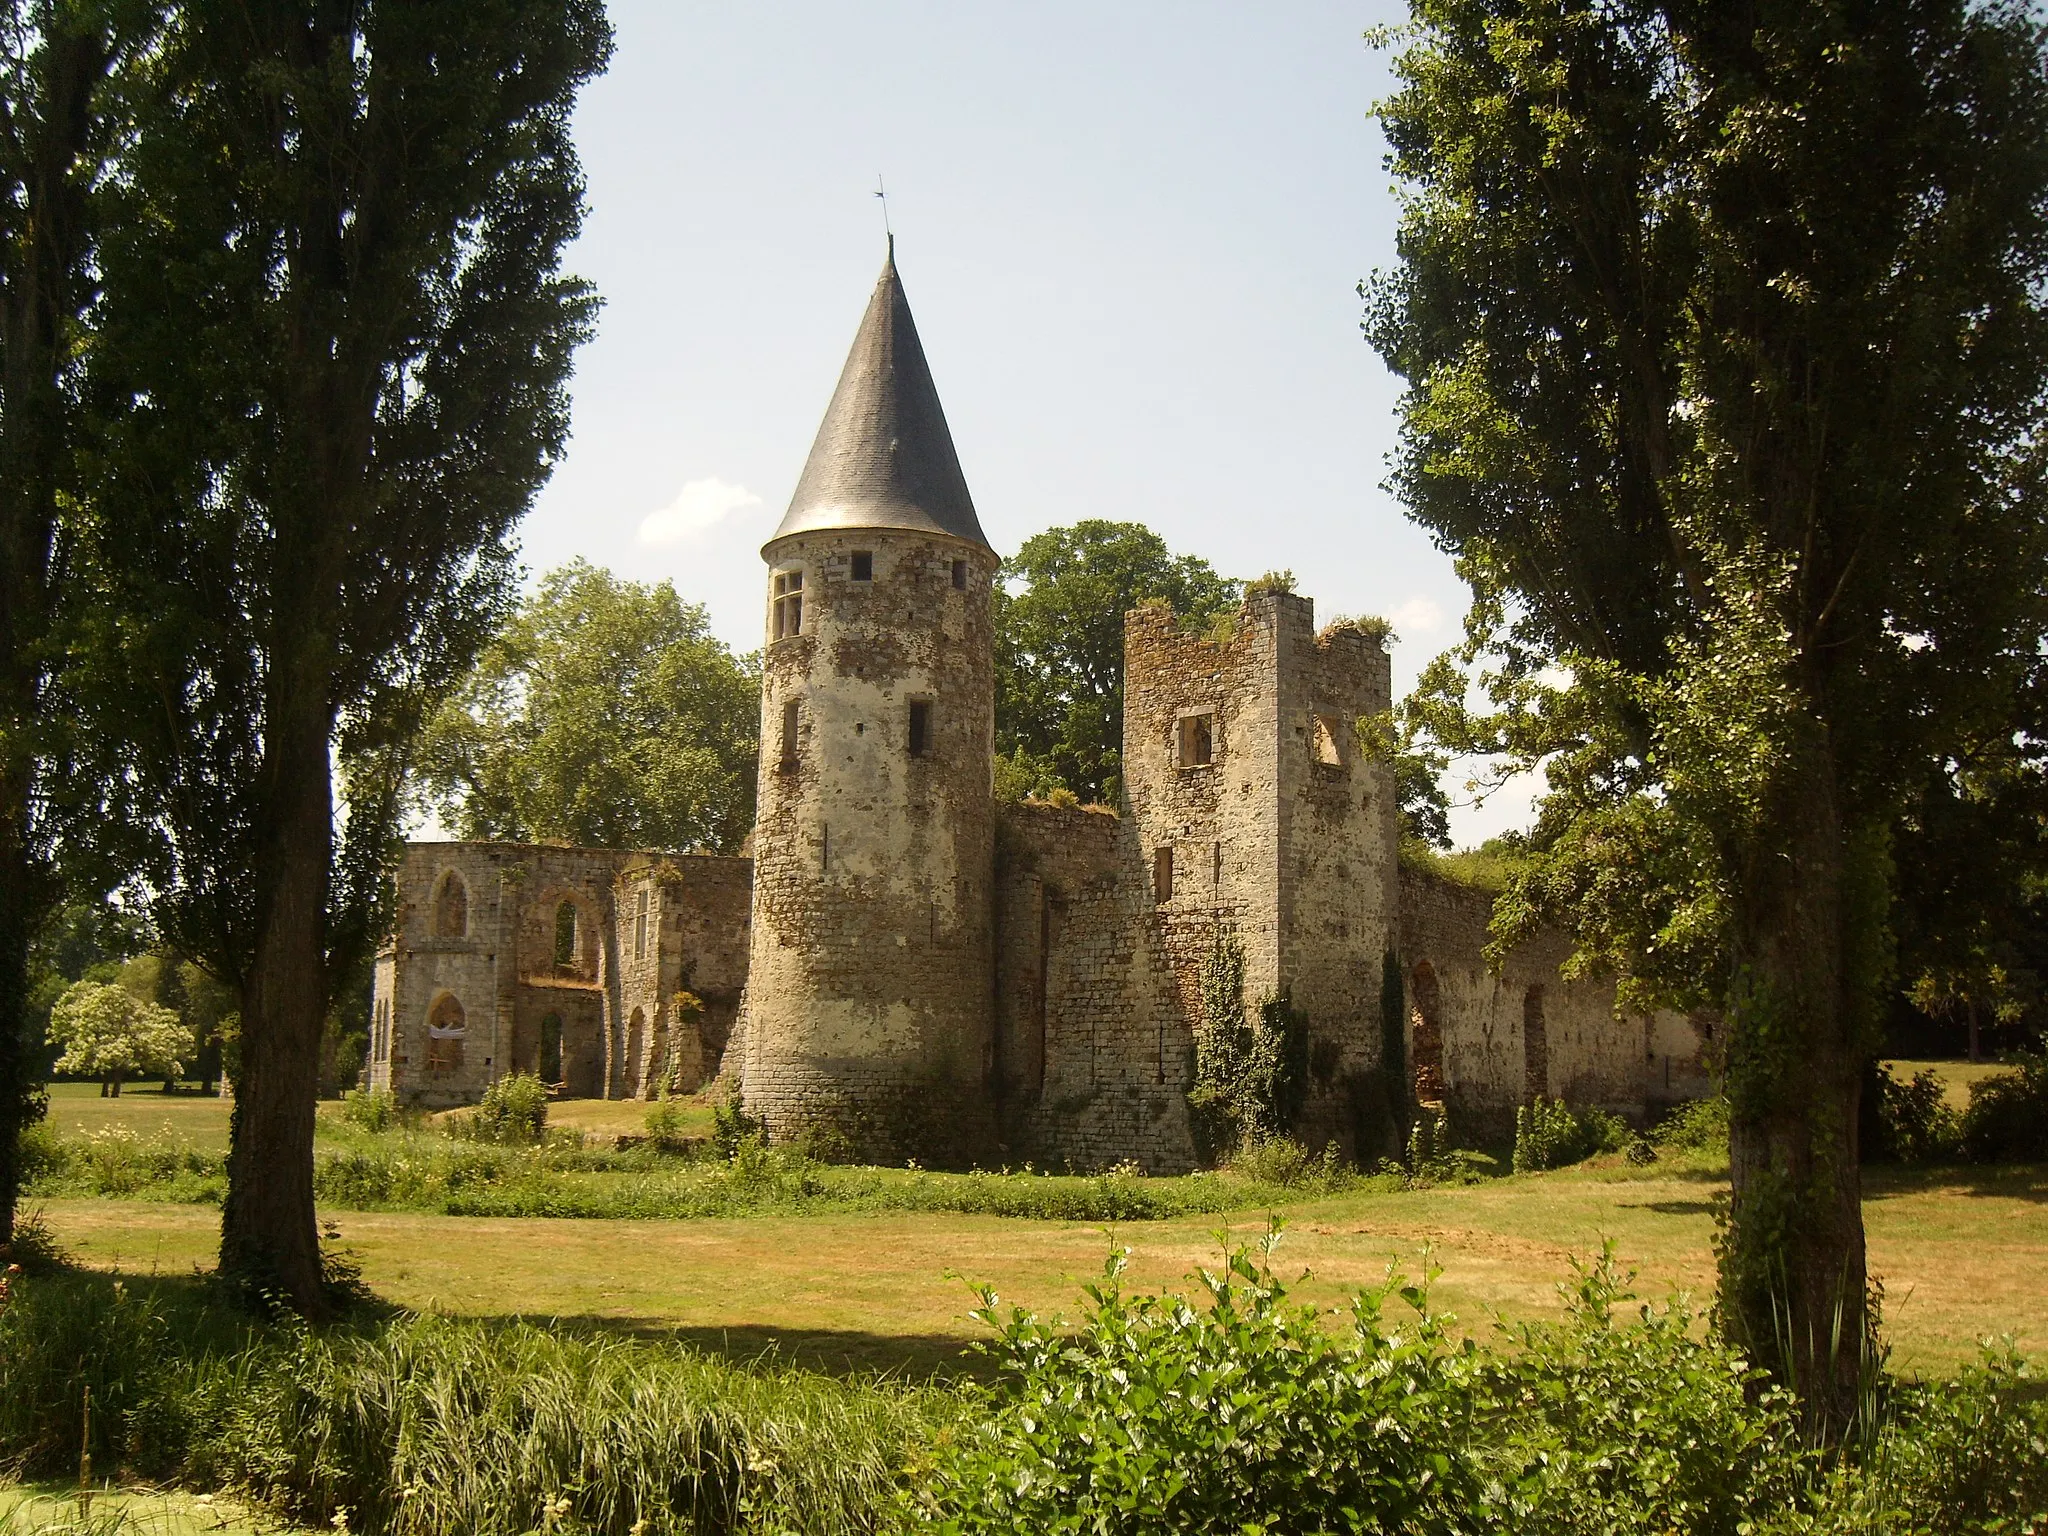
1976 1040
269 1233
1793 1282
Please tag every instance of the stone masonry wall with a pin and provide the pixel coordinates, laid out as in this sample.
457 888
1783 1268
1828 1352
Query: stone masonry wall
691 935
1092 1042
1583 1052
868 1017
502 971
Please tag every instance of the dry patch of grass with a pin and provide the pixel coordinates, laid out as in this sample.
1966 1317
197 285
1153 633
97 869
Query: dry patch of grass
1963 1255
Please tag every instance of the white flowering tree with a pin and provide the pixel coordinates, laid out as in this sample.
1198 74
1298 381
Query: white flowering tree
109 1033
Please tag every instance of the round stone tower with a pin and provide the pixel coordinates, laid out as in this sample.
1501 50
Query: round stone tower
869 1017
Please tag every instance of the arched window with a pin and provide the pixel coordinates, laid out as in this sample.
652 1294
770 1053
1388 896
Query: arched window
446 1027
565 936
551 1048
1535 1046
451 908
1426 1023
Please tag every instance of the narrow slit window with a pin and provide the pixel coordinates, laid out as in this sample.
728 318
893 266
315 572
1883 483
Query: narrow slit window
1327 750
640 926
959 575
920 727
789 729
863 565
1162 874
1197 742
786 615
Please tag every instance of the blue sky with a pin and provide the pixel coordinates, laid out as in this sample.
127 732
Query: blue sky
1131 236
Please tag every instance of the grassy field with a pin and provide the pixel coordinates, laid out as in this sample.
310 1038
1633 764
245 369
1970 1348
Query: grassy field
1963 1254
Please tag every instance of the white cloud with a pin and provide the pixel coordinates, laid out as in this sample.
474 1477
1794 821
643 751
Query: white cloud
697 507
1417 616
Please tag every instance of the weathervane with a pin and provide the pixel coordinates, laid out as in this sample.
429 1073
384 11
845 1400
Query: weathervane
883 193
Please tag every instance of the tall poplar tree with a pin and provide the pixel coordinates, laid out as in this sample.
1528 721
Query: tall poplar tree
1723 327
56 130
339 343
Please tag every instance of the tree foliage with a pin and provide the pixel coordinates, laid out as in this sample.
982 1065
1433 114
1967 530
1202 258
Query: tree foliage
605 714
59 63
108 1032
1059 622
1723 332
337 341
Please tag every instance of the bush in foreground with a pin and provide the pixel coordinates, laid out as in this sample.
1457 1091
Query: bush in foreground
1251 1415
1239 1412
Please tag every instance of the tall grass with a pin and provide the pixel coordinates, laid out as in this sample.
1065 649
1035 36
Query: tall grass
435 1426
356 1169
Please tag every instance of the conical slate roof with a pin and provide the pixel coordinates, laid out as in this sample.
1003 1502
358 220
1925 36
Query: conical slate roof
884 457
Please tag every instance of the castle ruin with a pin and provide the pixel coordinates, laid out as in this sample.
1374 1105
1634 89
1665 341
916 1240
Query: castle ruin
906 968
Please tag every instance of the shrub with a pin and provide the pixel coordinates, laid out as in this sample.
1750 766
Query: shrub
1700 1126
1239 1415
513 1111
1912 1122
731 1124
1548 1134
1432 1159
1284 1163
371 1109
665 1129
42 1152
2007 1120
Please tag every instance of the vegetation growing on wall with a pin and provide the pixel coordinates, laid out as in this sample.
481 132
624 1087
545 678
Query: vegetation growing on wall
1251 1065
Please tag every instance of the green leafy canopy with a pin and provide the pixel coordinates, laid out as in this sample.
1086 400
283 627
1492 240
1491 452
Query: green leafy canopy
607 715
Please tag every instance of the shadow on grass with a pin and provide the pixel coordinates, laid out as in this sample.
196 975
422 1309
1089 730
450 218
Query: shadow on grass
1672 1207
2011 1181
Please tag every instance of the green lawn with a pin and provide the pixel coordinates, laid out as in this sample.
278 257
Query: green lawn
1963 1254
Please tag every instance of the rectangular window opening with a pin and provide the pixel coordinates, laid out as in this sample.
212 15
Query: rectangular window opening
640 926
1162 874
920 727
789 728
960 575
1197 740
786 608
1327 738
863 565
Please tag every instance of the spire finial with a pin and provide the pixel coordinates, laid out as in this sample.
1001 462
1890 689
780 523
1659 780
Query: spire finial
883 193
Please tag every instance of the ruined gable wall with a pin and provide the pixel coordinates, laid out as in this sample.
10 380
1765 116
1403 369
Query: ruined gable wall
1092 1041
501 969
695 938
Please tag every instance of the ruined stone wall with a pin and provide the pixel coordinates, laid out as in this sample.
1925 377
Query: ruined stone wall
1092 1038
683 926
501 971
1497 1040
1337 892
1283 838
869 1006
